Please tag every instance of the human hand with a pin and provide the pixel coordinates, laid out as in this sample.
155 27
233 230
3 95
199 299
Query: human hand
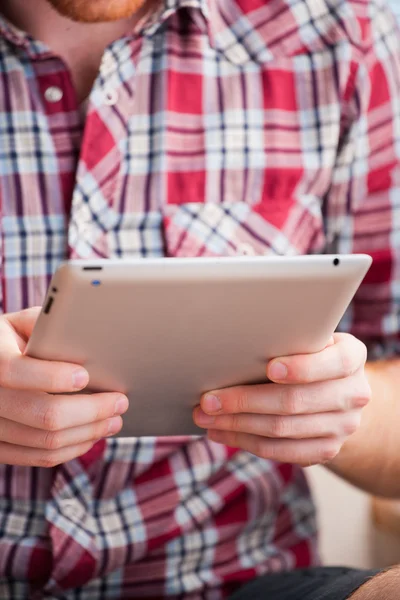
40 424
304 416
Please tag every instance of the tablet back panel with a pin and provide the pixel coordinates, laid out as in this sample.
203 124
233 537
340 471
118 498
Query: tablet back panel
166 330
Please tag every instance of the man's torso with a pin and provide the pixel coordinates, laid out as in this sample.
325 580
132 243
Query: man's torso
202 137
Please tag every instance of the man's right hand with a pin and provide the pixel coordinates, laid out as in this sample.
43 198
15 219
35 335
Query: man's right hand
40 424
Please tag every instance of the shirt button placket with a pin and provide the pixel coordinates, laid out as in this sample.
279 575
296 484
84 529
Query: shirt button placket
110 97
53 94
110 94
106 66
72 509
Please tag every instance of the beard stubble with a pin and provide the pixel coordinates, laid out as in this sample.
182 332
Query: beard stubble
97 11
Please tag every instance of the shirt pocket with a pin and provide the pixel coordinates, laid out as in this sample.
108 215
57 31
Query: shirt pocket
285 228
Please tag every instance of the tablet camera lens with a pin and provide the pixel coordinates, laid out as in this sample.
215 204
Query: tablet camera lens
336 262
96 282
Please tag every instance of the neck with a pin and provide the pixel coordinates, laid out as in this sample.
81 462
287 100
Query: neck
68 39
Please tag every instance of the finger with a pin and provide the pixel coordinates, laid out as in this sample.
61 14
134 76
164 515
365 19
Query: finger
330 342
300 452
22 435
24 373
11 454
337 361
15 330
339 424
55 413
23 321
276 399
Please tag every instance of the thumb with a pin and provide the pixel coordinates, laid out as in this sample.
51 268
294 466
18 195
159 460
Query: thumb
24 321
331 342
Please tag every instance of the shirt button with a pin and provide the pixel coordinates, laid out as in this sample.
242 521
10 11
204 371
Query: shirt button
111 97
246 250
72 509
53 94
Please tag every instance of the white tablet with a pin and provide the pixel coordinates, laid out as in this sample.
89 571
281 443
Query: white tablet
164 331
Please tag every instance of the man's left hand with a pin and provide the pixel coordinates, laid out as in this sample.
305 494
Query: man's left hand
304 416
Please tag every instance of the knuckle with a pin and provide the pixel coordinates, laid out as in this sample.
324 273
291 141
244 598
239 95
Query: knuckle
357 347
232 439
364 352
263 449
51 417
235 422
347 364
365 391
329 450
293 401
48 460
349 357
362 393
279 427
52 440
242 400
351 424
350 427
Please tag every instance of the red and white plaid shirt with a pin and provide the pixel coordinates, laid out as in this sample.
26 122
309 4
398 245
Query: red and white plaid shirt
220 127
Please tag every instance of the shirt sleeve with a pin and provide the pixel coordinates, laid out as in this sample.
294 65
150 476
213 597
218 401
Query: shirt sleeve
363 205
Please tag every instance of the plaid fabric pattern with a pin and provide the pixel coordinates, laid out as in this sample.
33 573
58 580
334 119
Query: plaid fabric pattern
218 127
395 6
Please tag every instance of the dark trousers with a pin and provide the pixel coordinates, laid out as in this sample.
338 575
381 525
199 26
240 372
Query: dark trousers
307 584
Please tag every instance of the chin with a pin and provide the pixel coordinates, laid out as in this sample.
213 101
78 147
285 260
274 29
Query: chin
97 11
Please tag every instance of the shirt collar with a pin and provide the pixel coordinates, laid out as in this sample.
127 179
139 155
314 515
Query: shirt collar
225 23
243 31
170 7
21 39
146 26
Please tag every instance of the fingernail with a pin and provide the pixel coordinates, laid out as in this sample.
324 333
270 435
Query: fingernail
211 403
278 371
121 405
203 419
114 425
80 379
